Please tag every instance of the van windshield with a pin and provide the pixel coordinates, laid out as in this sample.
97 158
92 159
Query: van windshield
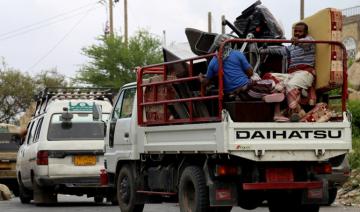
81 127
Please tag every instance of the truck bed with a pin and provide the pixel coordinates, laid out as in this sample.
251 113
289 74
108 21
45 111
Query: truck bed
260 141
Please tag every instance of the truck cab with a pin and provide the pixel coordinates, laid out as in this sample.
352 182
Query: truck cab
9 145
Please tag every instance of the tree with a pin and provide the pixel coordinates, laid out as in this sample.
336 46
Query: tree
16 93
17 90
112 63
50 78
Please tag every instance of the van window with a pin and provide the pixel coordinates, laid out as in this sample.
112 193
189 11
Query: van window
81 127
31 131
37 131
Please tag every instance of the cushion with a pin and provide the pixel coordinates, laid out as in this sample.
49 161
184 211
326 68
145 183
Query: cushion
327 25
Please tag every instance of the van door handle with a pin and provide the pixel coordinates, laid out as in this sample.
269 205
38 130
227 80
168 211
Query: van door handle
126 135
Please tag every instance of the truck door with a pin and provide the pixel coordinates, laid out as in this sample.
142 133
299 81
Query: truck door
121 117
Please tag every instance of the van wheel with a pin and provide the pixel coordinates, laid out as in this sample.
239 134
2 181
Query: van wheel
193 194
43 195
24 194
126 191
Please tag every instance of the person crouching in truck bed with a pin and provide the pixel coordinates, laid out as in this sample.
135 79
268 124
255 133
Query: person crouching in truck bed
240 82
300 75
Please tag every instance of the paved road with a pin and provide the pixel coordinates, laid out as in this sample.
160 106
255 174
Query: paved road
82 204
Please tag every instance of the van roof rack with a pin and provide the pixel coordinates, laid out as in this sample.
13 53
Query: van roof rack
51 93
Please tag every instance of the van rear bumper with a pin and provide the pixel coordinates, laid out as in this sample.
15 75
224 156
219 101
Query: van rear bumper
70 182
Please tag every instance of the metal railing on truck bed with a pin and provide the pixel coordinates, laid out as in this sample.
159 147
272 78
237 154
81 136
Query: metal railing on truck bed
169 80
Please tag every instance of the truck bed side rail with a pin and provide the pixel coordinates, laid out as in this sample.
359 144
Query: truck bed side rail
167 78
165 84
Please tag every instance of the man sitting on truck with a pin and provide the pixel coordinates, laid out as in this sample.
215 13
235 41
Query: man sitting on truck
301 73
239 78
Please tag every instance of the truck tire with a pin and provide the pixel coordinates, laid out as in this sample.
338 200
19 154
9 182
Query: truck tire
193 193
126 191
332 195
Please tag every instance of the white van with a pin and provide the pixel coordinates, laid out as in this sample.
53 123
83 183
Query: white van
64 147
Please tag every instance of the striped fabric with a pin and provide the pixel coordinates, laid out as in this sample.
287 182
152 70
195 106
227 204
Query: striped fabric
293 98
302 53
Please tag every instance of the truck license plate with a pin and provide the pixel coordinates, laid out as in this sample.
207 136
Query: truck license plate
84 160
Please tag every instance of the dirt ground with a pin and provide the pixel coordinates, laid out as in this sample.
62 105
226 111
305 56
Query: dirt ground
349 194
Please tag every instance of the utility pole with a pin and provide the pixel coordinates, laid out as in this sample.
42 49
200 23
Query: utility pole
126 22
164 36
111 20
302 6
222 26
209 22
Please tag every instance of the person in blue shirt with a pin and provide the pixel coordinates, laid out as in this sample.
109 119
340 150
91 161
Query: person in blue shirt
237 72
239 78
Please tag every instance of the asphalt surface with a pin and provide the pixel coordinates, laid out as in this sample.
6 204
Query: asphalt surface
82 204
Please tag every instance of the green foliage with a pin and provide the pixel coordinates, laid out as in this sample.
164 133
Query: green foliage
49 78
350 62
16 92
112 62
17 89
354 107
354 157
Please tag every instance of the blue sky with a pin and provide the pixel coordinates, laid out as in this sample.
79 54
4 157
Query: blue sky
39 35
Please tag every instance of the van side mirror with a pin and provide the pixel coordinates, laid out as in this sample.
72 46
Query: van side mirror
97 112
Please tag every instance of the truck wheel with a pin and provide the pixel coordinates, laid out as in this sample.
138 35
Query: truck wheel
332 195
193 193
126 191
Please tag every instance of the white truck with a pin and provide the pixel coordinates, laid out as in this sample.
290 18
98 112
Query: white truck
215 161
168 140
